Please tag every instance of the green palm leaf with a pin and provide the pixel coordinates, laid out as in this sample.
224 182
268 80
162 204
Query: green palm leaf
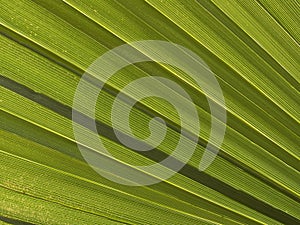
252 47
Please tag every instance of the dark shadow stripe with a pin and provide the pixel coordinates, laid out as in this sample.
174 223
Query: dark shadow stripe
14 221
157 156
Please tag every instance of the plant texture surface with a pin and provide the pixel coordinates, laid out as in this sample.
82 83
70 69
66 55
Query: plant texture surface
250 47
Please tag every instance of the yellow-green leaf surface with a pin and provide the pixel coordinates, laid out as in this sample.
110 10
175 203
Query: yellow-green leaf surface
252 48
